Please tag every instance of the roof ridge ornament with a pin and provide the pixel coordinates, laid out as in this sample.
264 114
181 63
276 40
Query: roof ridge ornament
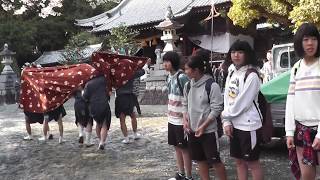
169 14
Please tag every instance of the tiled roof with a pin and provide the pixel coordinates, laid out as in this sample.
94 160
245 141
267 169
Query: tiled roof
139 12
52 57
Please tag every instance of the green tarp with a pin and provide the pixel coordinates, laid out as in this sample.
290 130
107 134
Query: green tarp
275 91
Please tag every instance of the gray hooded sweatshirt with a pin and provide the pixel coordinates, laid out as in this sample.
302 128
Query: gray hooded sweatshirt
197 106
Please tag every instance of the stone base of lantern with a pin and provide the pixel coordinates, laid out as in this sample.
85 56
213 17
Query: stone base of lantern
156 91
8 90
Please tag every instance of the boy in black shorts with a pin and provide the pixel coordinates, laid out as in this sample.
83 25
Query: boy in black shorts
176 136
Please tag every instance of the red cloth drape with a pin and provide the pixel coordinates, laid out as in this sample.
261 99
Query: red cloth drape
44 89
118 69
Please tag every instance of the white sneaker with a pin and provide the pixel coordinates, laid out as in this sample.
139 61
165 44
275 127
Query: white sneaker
136 136
43 138
27 138
61 140
126 140
89 143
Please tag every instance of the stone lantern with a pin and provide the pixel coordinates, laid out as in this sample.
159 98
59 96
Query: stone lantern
8 78
169 35
6 56
156 88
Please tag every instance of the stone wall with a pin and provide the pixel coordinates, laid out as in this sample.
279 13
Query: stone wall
9 89
156 91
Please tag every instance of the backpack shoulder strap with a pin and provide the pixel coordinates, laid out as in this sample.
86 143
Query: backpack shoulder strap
188 87
231 73
249 71
296 67
179 83
258 109
208 87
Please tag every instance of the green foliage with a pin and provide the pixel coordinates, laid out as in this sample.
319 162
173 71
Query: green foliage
289 13
74 48
306 11
20 36
121 38
26 32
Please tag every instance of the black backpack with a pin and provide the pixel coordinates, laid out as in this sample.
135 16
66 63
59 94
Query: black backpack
208 90
266 131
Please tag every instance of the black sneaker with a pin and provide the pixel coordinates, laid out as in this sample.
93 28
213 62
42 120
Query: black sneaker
50 137
179 176
80 140
101 147
186 178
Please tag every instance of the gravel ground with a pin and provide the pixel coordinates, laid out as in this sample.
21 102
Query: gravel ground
147 158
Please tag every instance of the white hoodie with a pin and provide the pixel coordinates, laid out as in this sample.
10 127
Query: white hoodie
239 109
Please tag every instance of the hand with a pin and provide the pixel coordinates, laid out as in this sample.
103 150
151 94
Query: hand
228 130
316 144
290 142
148 62
199 131
186 126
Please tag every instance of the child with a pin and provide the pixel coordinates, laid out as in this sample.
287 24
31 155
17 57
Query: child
302 109
125 102
57 115
203 103
176 81
31 118
83 118
95 93
241 116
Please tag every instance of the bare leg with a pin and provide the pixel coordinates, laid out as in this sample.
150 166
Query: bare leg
256 170
134 122
204 170
179 159
45 128
242 169
89 127
187 162
307 172
60 124
104 133
220 171
98 130
28 127
123 125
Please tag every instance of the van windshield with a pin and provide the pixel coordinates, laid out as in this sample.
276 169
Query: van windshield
284 59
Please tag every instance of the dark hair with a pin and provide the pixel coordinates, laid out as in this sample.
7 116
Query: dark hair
250 56
306 29
174 58
200 60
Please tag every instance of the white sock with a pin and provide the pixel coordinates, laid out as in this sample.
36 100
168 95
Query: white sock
80 130
88 137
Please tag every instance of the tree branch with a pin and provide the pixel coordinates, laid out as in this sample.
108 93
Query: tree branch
277 17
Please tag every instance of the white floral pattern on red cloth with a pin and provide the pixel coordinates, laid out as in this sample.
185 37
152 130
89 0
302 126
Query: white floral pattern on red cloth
45 89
